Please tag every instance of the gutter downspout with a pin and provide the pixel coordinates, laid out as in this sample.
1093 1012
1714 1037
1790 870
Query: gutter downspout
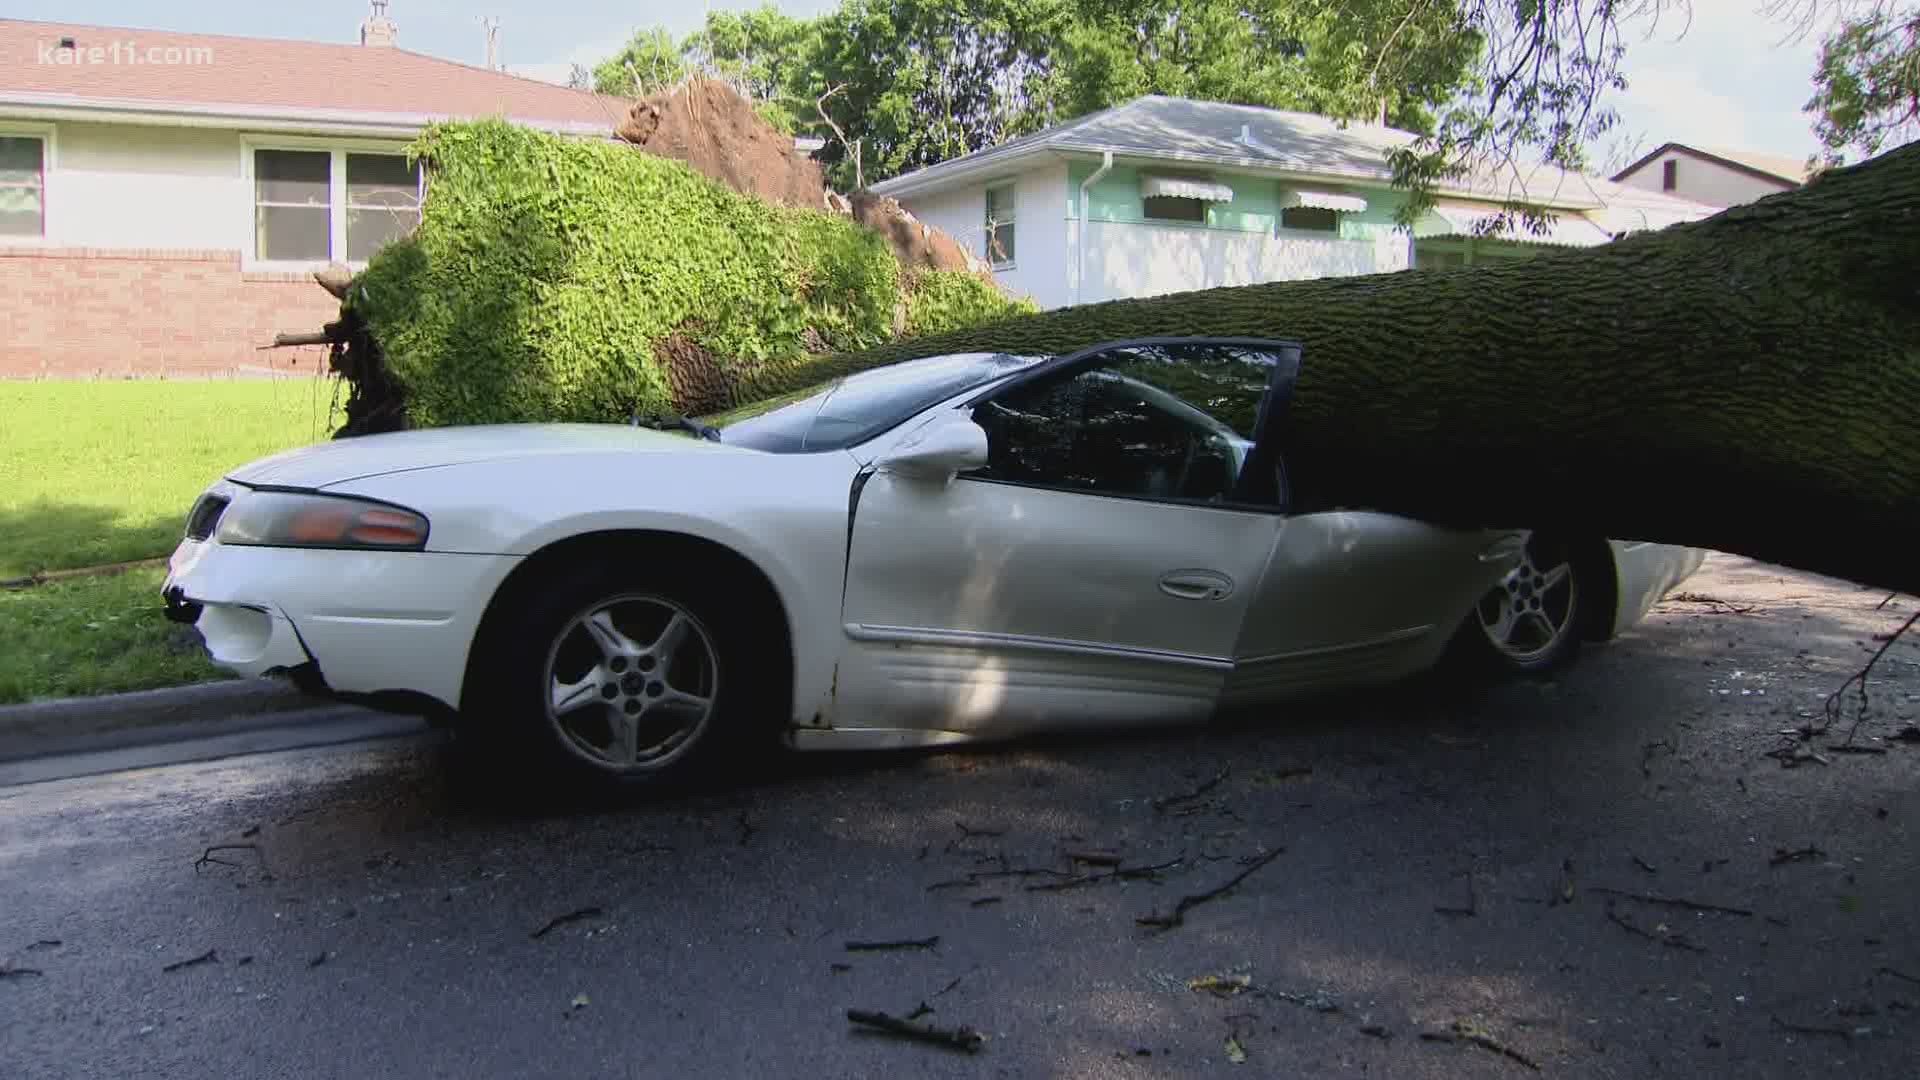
1080 237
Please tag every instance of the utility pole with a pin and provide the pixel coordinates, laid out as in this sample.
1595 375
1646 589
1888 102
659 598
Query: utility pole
492 25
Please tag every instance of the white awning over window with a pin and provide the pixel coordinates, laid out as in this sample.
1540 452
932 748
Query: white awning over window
1184 187
1324 200
1567 229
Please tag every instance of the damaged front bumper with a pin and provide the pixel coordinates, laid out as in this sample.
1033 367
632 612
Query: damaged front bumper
377 622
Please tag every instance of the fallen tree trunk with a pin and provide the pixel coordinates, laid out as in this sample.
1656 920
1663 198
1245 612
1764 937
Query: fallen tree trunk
1746 383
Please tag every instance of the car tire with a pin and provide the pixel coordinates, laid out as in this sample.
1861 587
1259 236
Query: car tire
605 681
1532 624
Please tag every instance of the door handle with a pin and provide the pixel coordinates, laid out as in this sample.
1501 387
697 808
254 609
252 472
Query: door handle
1196 584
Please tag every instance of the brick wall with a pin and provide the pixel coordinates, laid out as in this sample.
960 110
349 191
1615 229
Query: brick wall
89 312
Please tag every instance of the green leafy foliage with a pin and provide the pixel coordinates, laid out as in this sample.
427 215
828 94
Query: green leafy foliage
943 300
546 273
1867 85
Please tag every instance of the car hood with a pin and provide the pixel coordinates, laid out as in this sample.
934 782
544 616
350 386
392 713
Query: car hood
376 455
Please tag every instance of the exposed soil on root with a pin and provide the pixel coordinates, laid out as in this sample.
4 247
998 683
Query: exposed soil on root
710 127
916 244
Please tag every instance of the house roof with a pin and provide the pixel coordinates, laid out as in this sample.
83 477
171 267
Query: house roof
1779 168
1310 147
1589 210
271 79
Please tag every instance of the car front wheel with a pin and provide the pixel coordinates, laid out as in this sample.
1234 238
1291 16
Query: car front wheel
615 682
1530 623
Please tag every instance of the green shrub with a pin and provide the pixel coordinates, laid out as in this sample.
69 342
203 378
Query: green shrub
547 271
943 300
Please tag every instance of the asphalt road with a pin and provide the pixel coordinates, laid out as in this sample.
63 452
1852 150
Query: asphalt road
1466 869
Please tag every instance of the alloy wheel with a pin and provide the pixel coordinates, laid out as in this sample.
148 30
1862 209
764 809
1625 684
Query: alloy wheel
631 683
1531 612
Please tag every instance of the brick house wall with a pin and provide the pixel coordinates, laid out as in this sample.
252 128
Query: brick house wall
92 313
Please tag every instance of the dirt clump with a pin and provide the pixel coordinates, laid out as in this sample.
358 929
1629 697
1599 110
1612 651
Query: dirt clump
704 123
915 243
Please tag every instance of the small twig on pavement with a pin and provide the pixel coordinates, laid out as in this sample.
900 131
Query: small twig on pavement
1461 1032
207 856
1808 1029
1121 873
574 916
1678 941
1643 864
1843 748
967 832
1884 603
211 956
1673 901
8 971
1713 601
1834 700
1915 980
1781 856
1161 804
955 984
1158 921
960 1038
889 946
1094 858
985 901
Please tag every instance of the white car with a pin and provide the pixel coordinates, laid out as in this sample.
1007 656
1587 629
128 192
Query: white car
943 550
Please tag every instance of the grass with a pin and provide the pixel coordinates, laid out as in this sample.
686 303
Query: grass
93 473
94 635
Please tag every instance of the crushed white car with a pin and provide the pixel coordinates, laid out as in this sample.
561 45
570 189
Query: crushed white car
949 549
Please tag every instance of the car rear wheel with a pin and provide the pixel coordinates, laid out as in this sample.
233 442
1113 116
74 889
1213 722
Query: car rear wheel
1531 623
617 682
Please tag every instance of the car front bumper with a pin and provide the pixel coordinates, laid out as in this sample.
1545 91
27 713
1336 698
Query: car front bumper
370 621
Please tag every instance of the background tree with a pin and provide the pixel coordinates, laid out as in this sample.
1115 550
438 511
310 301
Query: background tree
1867 84
651 62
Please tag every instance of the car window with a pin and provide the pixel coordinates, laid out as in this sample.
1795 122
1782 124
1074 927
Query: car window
1169 421
851 410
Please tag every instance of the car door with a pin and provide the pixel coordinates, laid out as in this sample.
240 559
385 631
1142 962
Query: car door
1098 568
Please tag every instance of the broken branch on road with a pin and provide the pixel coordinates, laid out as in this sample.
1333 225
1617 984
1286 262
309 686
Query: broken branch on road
959 1038
1461 1032
1673 902
1157 921
1120 873
207 857
1160 805
1781 856
1661 935
894 946
211 956
1835 700
570 917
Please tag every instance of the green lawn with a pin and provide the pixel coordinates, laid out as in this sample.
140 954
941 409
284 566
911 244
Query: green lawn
94 635
104 472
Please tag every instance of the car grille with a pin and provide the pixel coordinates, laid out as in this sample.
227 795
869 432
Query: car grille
204 516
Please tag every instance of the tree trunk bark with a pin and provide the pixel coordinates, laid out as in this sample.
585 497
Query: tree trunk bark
1747 383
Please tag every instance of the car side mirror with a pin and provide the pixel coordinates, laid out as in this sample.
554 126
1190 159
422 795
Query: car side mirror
938 451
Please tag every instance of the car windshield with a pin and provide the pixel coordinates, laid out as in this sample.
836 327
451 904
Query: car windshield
851 410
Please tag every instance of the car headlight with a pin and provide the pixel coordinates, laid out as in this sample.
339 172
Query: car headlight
292 519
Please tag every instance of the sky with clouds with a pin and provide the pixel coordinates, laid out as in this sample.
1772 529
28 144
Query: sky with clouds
1725 77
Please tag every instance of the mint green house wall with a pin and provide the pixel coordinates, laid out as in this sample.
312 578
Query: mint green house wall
1241 242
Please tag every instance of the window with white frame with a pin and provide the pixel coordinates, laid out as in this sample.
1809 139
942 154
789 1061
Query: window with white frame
23 186
1000 214
321 205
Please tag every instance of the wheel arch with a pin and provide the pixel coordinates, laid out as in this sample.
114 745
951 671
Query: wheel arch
755 587
1601 615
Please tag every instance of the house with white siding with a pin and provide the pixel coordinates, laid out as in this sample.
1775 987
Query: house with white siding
1715 177
1165 195
164 197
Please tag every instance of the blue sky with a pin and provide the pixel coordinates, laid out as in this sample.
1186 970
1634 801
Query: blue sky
1729 81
